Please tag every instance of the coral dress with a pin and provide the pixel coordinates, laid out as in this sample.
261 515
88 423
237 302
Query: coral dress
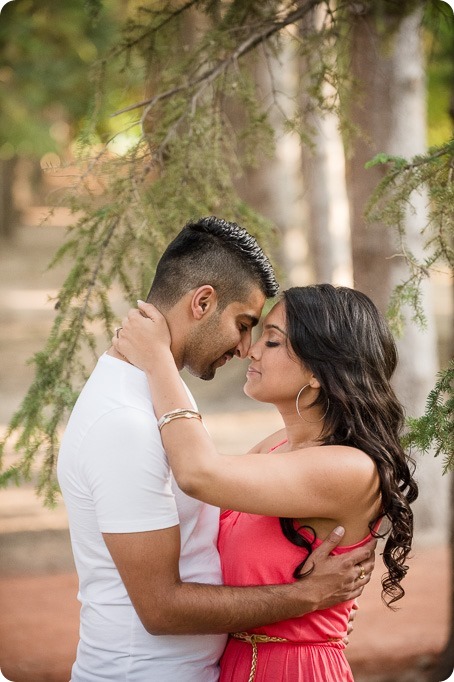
254 551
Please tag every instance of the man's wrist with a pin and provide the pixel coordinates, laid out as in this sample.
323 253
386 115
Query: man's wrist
305 596
297 598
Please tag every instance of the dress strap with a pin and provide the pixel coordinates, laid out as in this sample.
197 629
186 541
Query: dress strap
275 447
253 641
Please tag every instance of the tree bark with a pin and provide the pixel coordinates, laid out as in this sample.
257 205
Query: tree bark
272 186
445 665
9 216
323 173
370 111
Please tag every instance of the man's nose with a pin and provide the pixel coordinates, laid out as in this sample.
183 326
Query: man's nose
242 349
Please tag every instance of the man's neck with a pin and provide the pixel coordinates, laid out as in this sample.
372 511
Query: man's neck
178 334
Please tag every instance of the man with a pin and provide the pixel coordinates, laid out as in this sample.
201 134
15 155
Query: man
145 552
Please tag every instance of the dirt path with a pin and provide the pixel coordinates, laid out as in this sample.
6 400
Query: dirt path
39 625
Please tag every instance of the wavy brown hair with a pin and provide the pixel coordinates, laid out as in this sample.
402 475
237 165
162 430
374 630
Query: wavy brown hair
341 336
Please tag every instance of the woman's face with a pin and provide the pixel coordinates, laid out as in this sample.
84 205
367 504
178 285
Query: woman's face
275 373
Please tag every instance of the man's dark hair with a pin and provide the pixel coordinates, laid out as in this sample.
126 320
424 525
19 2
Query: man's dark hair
216 252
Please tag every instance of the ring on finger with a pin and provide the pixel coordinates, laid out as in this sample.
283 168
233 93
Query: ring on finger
362 573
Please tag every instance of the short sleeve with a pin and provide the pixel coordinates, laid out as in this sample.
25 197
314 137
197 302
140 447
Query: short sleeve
127 473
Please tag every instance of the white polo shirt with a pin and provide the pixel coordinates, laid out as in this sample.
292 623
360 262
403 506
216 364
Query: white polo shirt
115 478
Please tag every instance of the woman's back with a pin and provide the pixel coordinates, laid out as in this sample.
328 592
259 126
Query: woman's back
254 551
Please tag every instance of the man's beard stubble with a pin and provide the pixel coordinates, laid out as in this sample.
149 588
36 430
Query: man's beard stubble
204 337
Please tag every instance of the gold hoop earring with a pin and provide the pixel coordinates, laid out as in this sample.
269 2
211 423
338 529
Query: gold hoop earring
309 421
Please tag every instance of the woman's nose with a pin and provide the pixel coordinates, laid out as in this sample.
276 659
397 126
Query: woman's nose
253 351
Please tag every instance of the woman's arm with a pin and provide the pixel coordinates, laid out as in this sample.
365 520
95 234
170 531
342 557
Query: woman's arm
332 477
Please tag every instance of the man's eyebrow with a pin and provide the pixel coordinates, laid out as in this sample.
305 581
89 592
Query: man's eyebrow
252 319
274 326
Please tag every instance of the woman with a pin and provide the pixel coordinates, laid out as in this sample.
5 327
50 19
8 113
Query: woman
324 360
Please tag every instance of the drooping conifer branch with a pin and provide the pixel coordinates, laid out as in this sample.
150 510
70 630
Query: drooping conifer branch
431 172
184 164
210 74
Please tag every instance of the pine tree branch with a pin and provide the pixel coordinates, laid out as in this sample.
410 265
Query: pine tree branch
92 284
211 74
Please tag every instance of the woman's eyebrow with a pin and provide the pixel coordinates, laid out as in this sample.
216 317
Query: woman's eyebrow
274 326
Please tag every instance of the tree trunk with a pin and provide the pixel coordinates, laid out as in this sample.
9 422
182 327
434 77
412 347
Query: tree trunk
323 174
417 348
9 216
323 170
370 111
390 115
272 186
445 666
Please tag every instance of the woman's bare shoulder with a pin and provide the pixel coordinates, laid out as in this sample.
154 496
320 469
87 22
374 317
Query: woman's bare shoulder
342 456
344 465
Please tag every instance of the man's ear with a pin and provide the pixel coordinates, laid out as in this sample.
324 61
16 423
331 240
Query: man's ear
204 300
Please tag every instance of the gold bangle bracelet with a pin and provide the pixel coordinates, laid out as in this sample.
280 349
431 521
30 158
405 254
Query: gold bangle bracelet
185 413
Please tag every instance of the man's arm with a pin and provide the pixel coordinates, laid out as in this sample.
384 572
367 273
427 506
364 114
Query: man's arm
148 565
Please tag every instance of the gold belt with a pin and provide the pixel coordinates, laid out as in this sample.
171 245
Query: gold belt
253 641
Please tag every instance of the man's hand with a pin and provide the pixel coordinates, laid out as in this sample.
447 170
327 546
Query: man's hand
335 579
142 329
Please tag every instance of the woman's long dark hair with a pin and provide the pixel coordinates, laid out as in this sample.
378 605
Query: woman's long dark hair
339 334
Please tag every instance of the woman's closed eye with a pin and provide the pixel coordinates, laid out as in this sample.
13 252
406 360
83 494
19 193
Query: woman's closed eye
272 344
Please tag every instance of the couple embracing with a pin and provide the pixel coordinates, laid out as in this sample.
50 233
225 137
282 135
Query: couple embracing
172 589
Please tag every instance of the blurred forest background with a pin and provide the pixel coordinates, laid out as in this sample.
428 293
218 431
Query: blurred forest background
324 127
